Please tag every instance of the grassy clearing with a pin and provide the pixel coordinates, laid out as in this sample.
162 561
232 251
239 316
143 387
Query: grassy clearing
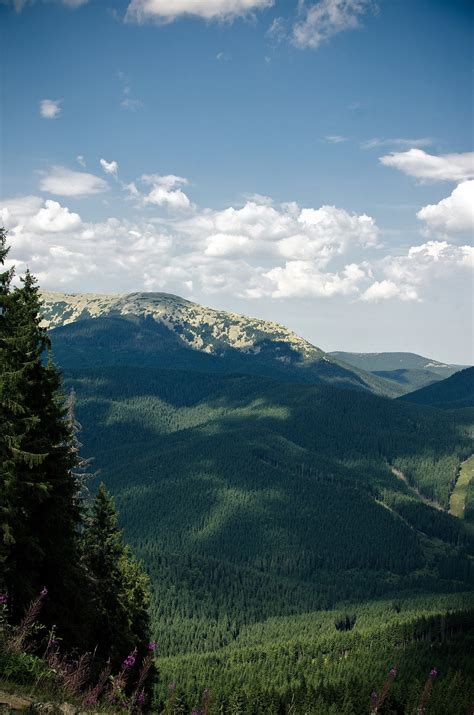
458 497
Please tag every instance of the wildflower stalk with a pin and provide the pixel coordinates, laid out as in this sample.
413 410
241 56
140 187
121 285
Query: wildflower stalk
138 696
376 700
425 695
93 694
17 642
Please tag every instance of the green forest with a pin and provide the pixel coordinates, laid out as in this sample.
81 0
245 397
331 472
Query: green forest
286 544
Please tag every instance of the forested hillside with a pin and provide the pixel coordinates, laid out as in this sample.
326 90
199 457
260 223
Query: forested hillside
252 498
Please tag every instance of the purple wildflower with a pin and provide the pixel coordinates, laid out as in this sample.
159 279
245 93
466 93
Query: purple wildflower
373 698
195 712
129 662
44 592
393 672
141 699
3 599
152 646
434 673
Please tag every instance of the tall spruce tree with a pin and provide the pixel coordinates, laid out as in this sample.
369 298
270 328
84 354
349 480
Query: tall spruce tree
42 538
16 419
98 594
119 586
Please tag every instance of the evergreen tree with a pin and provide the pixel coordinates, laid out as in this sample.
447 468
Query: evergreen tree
42 538
119 586
16 419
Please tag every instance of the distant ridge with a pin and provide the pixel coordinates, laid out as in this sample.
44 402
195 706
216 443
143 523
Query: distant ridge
397 361
408 370
454 392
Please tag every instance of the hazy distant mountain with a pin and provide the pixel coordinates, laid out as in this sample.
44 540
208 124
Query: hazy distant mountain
409 370
373 362
455 391
163 330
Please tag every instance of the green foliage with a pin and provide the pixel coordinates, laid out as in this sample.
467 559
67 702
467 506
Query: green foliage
23 668
304 665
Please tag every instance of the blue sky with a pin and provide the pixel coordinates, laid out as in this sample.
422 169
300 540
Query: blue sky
304 162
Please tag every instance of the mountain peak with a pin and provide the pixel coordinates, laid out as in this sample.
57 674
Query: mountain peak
199 327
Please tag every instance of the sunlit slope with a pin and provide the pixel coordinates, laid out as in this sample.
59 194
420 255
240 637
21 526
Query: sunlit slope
306 661
162 330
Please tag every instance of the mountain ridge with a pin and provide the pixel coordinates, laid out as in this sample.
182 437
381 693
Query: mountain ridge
162 329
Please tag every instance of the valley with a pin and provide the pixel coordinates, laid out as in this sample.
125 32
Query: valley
258 499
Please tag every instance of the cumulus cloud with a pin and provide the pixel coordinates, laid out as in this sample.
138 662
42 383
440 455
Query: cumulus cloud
50 108
260 249
303 279
62 181
165 191
110 167
169 10
385 289
421 165
54 218
322 20
454 214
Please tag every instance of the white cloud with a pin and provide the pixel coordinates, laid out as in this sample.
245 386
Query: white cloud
165 191
385 289
407 276
66 182
326 18
20 4
80 160
261 249
50 108
132 104
454 214
417 163
335 138
110 167
54 218
302 279
128 102
226 244
374 143
169 10
74 3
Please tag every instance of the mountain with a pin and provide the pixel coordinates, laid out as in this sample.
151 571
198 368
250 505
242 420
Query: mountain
373 362
259 492
408 371
454 392
162 330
